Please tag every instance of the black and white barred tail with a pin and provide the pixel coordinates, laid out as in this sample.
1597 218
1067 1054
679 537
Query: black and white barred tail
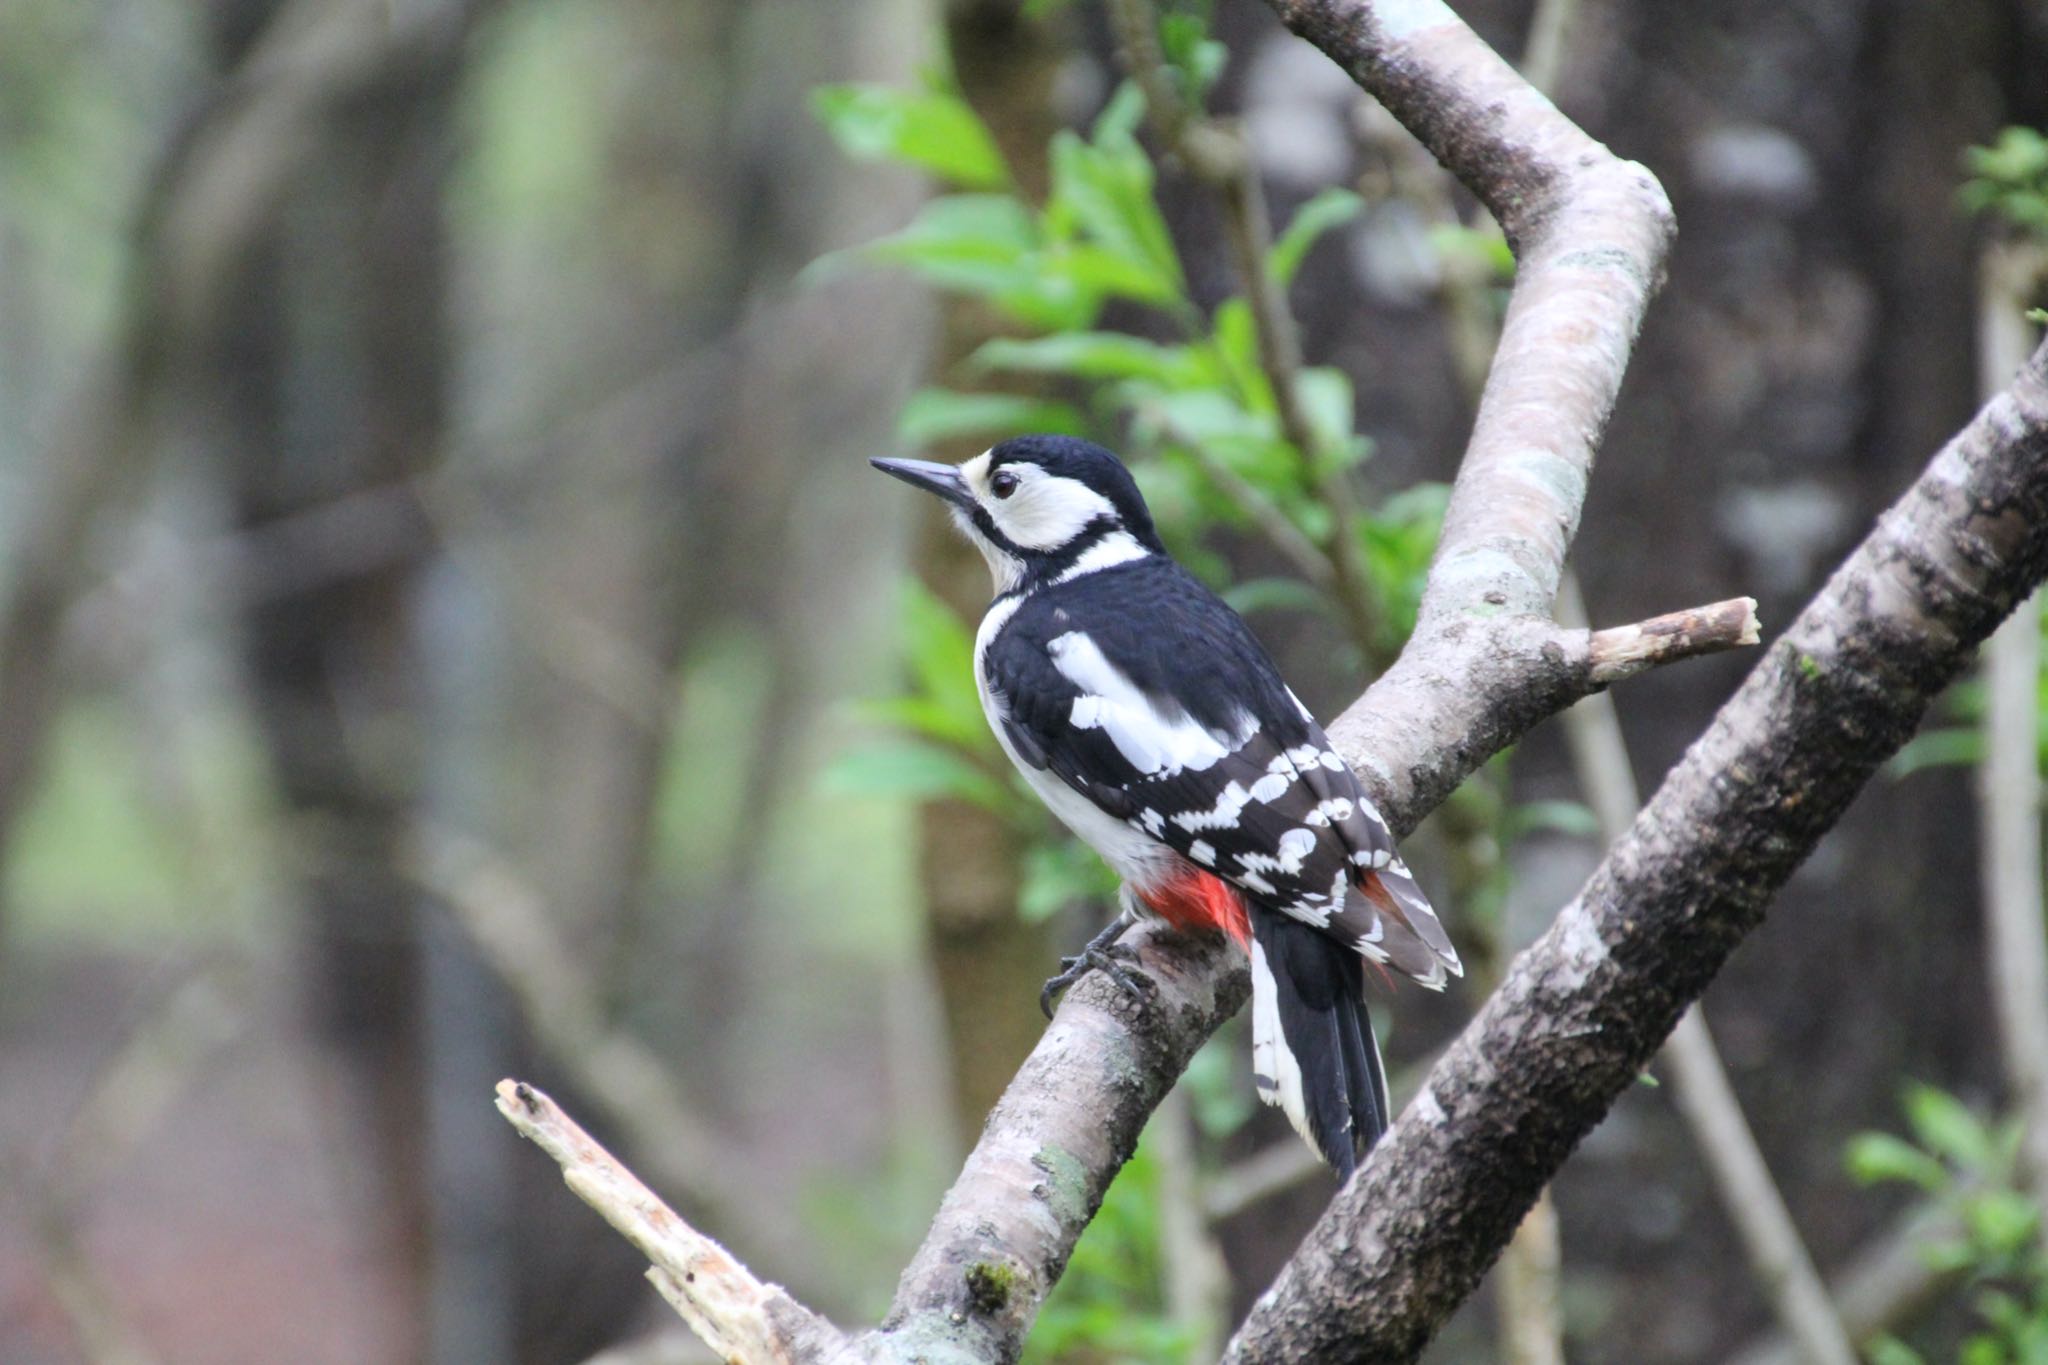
1313 1050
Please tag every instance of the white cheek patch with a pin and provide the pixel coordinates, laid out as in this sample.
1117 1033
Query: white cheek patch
1045 512
1150 740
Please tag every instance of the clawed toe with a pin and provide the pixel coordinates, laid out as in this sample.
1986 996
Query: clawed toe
1107 960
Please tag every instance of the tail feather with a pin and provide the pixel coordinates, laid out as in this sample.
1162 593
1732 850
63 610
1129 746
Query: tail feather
1313 1051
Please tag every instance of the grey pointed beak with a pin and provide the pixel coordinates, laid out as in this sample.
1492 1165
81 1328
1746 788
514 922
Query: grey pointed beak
942 479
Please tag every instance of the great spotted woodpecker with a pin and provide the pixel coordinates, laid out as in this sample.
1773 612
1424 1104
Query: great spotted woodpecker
1141 709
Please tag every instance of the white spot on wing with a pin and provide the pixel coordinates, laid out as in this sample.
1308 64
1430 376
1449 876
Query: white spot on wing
1230 803
1149 739
1203 852
1295 846
1271 787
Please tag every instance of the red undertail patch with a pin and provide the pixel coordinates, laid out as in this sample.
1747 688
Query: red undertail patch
1192 899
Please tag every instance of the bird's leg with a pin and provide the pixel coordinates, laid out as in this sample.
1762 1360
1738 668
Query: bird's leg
1103 954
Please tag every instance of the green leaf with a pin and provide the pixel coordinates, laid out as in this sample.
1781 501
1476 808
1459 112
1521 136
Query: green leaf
1089 355
2038 315
941 414
1058 873
1234 336
1095 272
1116 127
1330 209
1873 1158
983 226
989 246
1938 749
1326 401
1106 191
1982 1350
916 771
1483 251
1888 1350
1273 594
1208 417
1948 1255
2002 1221
940 649
1195 57
931 718
1572 818
1946 1127
931 129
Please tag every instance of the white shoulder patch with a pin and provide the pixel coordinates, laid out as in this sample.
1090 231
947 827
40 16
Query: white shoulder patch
1150 740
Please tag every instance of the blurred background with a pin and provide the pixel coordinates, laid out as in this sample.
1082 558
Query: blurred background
448 630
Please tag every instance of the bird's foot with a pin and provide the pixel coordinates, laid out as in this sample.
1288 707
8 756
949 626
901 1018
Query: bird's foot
1103 954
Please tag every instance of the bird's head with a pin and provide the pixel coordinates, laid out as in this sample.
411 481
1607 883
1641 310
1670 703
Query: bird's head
1040 507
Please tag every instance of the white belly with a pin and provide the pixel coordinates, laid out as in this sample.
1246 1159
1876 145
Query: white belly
1136 856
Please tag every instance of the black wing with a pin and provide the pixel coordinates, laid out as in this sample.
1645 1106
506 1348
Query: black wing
1147 694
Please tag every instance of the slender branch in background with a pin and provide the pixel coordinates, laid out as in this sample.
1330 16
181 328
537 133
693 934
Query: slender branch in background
1279 1166
1888 1284
1218 154
502 912
2009 791
1783 1267
735 1314
1531 1276
1196 1279
127 1100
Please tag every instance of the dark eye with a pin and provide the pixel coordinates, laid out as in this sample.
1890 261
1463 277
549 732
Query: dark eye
1002 483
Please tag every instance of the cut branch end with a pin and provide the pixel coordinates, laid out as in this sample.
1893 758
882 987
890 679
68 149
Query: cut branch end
1624 651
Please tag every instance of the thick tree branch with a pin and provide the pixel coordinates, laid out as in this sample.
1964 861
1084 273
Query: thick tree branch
1781 1265
1584 1009
1485 664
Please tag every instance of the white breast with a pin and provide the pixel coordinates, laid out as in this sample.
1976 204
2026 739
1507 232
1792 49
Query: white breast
1136 856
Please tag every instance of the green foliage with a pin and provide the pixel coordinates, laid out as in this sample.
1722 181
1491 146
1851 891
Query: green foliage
932 129
1967 1166
2009 179
1196 59
1060 873
1109 1306
942 414
1964 744
1331 209
1185 392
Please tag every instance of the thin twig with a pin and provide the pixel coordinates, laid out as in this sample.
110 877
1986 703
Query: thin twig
503 914
1624 651
738 1316
1220 155
1531 1269
1197 1282
1888 1284
2009 788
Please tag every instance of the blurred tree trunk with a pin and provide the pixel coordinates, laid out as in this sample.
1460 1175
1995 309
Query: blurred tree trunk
325 379
989 961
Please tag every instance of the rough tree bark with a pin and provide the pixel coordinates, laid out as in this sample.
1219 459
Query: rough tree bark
1582 1010
1585 1008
